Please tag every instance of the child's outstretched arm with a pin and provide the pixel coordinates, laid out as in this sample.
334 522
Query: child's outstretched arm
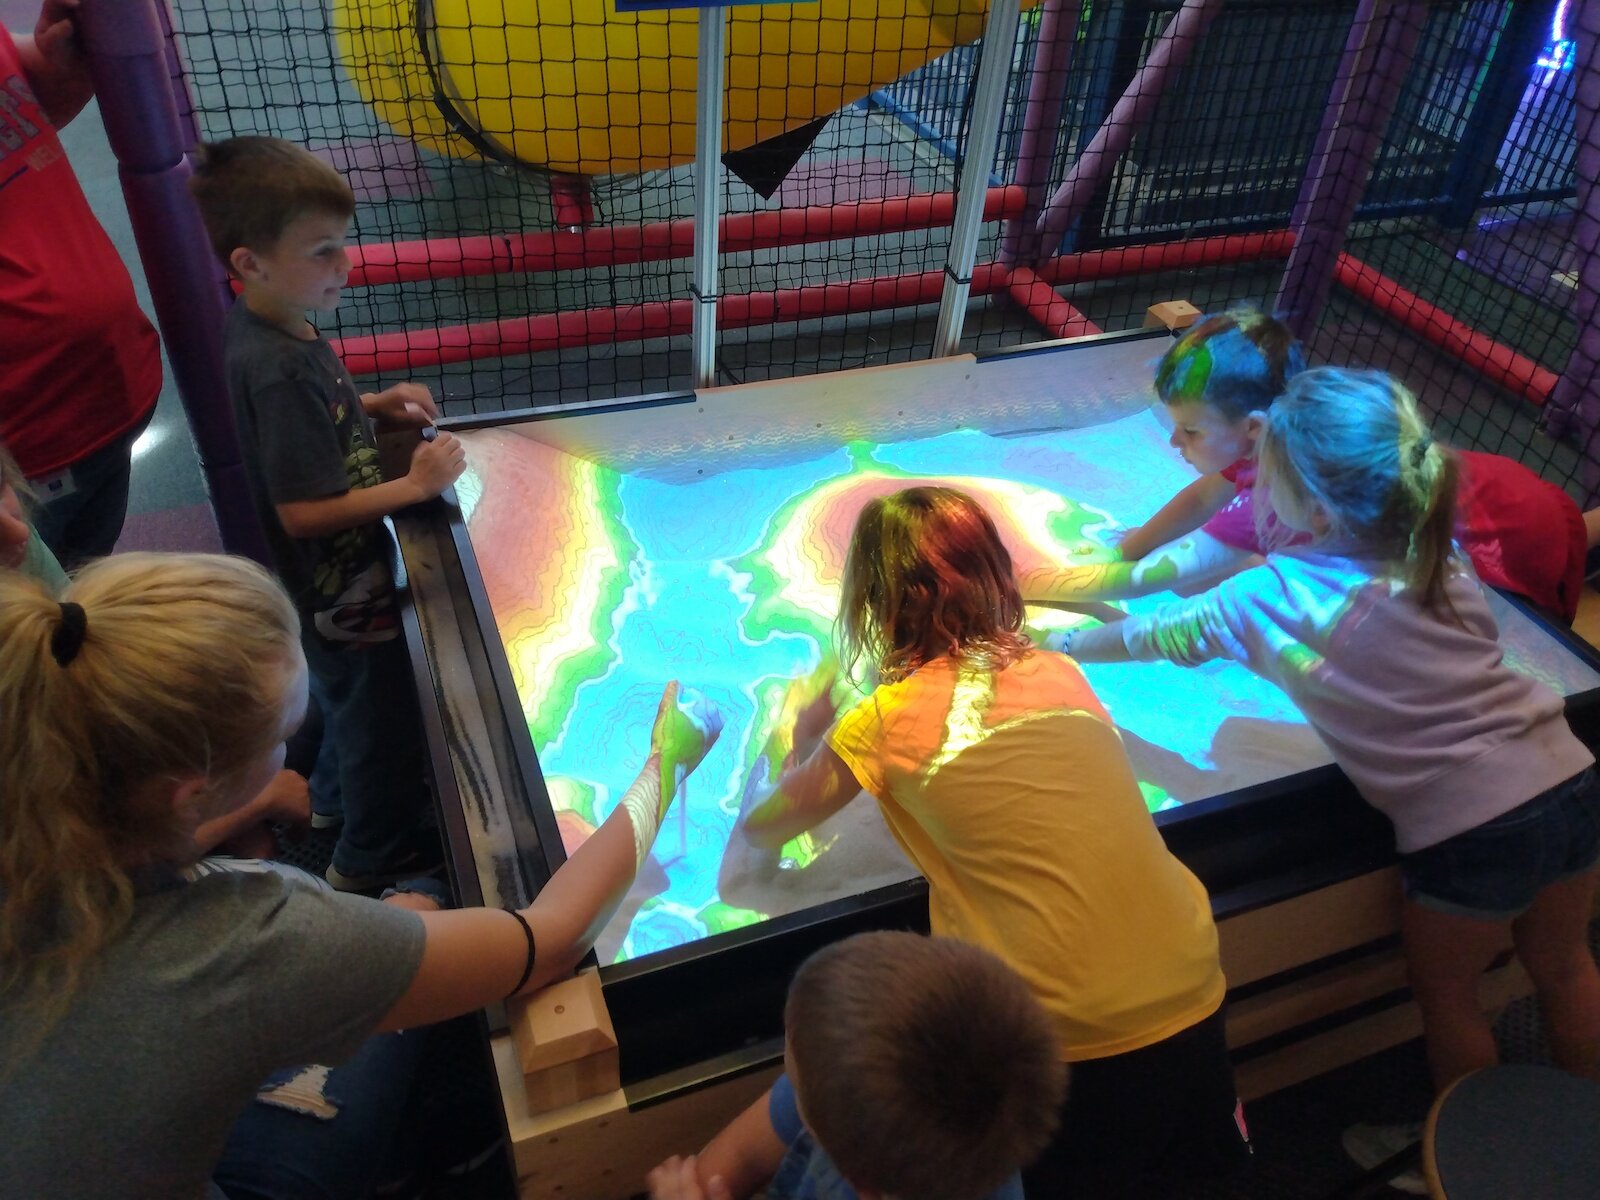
1196 559
474 957
1184 513
805 796
1187 633
1097 644
813 782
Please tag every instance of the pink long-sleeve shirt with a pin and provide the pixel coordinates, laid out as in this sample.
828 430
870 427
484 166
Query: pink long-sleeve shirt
1422 713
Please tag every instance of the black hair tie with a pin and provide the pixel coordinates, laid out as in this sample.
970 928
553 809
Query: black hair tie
68 637
1419 450
527 966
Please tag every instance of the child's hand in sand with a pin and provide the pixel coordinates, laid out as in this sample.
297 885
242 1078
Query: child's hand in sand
1086 553
685 729
814 719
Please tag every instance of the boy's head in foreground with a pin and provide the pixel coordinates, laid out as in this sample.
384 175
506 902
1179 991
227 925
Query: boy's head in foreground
277 216
1220 379
923 1067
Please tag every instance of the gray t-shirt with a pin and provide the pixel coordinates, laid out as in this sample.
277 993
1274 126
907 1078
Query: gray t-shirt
214 985
305 436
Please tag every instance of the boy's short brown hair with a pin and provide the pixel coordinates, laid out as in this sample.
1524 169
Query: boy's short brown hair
923 1066
250 189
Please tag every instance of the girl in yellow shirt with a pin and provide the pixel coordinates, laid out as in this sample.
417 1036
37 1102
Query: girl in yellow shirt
1005 782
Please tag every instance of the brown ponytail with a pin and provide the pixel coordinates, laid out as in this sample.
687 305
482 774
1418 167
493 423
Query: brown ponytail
1433 536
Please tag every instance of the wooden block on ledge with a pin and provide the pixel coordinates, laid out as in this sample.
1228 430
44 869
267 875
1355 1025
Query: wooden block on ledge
1173 315
566 1043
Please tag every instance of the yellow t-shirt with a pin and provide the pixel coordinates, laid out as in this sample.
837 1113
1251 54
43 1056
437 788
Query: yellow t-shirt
1012 794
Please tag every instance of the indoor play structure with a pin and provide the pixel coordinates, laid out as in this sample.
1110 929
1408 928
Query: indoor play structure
689 284
1403 179
577 87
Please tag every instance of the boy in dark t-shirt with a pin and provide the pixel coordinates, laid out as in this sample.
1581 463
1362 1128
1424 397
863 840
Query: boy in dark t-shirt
920 1068
277 216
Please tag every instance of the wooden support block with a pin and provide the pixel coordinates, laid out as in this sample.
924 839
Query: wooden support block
600 1149
565 1043
1172 314
1300 1060
1266 941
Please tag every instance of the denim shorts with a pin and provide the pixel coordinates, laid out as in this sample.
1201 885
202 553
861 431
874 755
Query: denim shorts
1494 872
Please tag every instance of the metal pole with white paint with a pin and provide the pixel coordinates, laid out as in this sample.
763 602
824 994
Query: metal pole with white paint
707 191
999 45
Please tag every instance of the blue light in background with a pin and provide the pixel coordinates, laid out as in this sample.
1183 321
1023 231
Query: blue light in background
1560 50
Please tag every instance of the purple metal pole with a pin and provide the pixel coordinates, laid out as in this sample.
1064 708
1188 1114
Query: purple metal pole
128 60
1573 410
1110 142
1041 121
1377 53
187 119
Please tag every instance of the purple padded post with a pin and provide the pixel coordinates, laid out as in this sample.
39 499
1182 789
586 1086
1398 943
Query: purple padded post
188 121
1041 122
127 53
1377 53
1573 410
1133 109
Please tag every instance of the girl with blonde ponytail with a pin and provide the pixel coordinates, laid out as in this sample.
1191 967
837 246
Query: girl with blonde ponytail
1383 638
140 1007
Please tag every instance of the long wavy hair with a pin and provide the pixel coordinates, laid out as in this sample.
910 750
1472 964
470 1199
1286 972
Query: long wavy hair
927 576
183 673
1354 444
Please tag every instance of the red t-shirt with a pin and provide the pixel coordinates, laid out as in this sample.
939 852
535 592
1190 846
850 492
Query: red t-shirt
81 364
1522 533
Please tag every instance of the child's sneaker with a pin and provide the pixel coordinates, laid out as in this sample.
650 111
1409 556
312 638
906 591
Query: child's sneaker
423 861
1370 1146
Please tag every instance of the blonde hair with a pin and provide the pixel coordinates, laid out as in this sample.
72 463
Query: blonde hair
1354 444
927 575
924 1066
182 673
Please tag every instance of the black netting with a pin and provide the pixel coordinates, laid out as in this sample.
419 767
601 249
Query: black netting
531 169
1461 253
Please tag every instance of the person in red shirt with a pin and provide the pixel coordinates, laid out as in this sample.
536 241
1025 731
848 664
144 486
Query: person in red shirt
82 364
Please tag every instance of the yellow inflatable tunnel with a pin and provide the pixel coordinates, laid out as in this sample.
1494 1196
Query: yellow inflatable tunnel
575 87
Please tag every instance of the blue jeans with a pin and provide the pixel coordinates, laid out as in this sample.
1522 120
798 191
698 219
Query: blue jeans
275 1153
1495 871
371 764
80 510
